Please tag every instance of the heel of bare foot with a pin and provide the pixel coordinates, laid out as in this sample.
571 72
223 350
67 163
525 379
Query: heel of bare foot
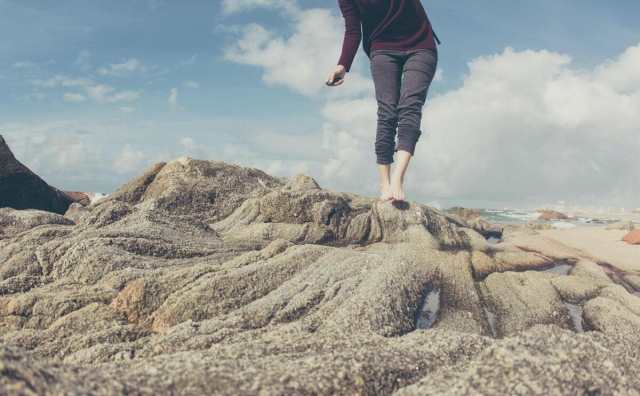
397 193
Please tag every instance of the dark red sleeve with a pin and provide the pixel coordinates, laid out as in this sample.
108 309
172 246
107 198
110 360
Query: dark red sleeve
352 32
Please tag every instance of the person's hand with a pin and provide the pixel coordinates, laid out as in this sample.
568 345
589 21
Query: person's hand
337 76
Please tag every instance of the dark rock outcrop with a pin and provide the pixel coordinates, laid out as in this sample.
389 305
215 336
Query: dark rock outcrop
20 188
202 277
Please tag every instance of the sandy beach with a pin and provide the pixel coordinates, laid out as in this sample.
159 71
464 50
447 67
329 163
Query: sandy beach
601 244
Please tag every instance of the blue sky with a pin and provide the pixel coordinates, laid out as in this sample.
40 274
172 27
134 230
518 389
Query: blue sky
95 91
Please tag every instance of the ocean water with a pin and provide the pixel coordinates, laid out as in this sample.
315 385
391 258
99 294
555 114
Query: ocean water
520 216
508 216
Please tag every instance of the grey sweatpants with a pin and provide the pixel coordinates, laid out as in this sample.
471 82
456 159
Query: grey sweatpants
402 79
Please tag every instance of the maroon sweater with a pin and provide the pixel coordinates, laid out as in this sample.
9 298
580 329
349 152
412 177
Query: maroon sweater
388 24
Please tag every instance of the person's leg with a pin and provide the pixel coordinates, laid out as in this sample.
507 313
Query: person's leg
418 72
384 170
386 70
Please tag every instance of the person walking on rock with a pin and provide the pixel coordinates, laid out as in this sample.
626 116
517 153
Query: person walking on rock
398 38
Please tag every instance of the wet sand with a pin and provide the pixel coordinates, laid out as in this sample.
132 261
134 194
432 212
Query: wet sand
605 245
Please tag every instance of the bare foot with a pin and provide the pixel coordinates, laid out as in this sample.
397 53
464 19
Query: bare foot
385 193
397 193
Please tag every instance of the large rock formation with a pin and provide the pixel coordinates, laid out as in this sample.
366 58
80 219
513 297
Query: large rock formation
201 277
20 188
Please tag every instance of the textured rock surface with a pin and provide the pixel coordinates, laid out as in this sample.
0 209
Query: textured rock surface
541 361
22 189
201 277
76 211
474 221
13 222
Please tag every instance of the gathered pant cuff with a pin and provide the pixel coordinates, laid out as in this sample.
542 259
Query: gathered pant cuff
407 146
386 160
384 150
408 141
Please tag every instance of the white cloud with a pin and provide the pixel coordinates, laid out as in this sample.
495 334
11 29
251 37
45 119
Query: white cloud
234 6
127 109
24 65
188 143
191 84
123 96
55 149
129 160
314 45
35 96
91 154
623 73
190 147
120 69
173 99
63 81
524 126
73 97
100 93
439 76
84 154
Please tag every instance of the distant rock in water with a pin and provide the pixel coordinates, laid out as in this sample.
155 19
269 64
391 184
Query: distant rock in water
20 188
204 277
633 237
465 214
79 197
549 215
